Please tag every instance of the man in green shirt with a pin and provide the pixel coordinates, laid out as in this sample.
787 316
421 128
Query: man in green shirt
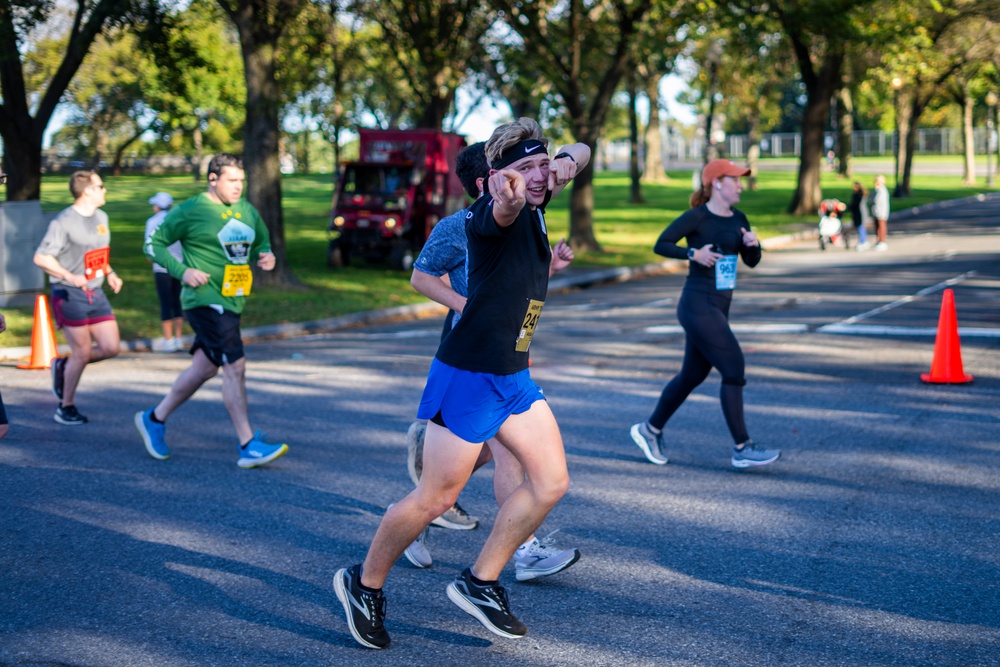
220 234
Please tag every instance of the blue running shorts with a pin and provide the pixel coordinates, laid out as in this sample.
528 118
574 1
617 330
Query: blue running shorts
474 406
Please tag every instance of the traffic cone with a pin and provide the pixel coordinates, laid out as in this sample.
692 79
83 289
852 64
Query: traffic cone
946 368
43 337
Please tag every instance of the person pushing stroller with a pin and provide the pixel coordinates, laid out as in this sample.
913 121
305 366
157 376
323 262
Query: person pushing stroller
831 227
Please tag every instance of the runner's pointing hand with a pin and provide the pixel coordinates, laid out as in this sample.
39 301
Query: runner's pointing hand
508 189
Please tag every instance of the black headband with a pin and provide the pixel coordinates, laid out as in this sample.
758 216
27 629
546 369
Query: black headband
521 149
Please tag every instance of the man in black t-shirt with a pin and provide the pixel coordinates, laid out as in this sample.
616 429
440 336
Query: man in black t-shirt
479 387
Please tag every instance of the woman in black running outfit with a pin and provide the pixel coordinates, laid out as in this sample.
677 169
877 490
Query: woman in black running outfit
716 233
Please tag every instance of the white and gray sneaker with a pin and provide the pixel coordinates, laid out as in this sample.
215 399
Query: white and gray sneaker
418 553
650 443
752 454
540 559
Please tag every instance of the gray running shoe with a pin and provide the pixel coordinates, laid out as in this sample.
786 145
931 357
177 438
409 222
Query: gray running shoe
418 553
415 450
540 559
456 519
651 444
752 454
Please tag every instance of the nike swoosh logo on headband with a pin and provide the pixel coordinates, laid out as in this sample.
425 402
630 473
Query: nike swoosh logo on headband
528 149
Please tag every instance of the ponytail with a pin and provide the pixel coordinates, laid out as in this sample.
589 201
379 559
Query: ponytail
700 196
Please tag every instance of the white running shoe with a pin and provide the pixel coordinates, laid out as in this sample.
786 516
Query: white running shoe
418 553
540 559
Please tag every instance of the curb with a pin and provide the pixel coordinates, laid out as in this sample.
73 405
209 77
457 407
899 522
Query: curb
431 309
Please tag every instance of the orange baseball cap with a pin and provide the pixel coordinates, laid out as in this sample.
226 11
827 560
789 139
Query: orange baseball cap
719 168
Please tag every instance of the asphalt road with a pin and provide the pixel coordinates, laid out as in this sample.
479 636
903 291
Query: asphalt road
873 541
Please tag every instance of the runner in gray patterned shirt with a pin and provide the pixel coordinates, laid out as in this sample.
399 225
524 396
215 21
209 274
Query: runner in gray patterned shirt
75 253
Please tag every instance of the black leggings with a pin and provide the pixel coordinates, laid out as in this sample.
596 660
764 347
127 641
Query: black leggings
168 289
708 343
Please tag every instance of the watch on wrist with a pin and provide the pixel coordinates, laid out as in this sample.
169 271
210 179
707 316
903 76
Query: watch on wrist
562 155
691 253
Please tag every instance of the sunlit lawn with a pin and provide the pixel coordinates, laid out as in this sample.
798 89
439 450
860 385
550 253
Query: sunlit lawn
627 232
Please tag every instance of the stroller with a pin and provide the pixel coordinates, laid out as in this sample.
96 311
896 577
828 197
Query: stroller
831 227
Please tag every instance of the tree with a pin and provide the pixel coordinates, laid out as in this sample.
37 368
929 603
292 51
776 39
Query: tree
934 43
583 50
109 96
260 24
659 42
433 44
202 94
20 21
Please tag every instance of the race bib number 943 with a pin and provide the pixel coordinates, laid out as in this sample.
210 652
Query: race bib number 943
237 280
725 272
529 324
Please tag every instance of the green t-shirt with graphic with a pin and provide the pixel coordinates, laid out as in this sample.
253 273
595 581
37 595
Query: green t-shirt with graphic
213 236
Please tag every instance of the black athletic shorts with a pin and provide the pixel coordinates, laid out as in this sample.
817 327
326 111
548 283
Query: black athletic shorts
216 334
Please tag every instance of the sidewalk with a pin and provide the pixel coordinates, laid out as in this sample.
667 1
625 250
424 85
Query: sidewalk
571 278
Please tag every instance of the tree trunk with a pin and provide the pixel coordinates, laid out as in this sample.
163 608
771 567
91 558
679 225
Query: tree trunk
22 162
581 212
260 152
909 116
654 172
635 189
259 32
808 193
968 143
433 116
845 130
753 150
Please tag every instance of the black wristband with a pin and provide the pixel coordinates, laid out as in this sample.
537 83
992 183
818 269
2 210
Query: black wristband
562 155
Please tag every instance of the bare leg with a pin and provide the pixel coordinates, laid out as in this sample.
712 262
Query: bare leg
168 329
178 327
189 381
83 352
448 464
234 395
534 440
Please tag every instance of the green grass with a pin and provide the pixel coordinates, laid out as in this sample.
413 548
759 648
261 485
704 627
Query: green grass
627 232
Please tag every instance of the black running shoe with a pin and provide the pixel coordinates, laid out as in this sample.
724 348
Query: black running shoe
488 604
365 611
69 415
58 369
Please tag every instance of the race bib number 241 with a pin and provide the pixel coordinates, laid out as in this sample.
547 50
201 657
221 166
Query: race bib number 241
528 325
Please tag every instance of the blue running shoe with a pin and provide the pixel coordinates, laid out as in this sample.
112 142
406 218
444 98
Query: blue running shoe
257 452
153 434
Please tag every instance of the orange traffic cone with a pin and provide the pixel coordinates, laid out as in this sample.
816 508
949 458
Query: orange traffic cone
43 337
946 368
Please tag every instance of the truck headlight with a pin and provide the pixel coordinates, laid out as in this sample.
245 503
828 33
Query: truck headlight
390 223
338 221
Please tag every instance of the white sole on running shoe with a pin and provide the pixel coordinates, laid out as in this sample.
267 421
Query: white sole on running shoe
145 438
472 610
341 591
753 464
527 574
253 463
444 523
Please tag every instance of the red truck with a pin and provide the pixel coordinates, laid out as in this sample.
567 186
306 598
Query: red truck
388 201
